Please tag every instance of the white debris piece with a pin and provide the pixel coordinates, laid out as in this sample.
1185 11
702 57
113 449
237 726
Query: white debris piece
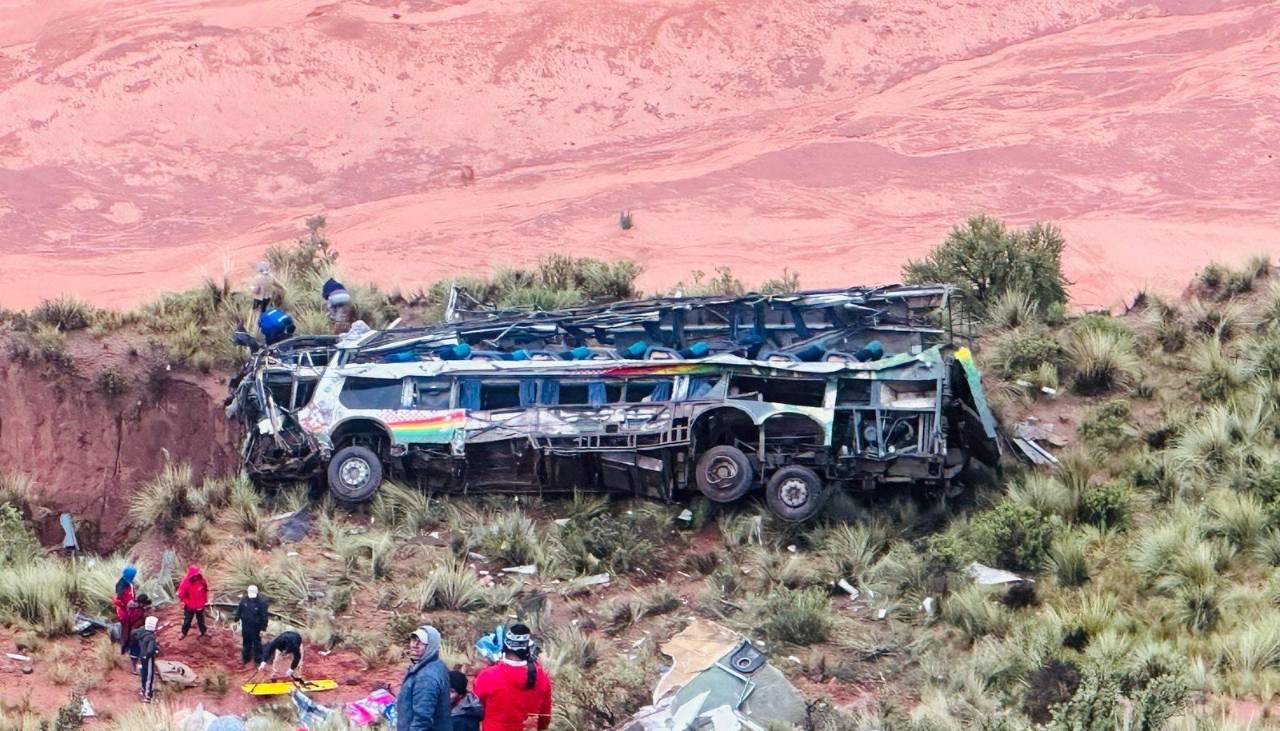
882 613
562 522
19 658
686 516
86 709
594 580
848 588
527 570
475 556
927 605
988 576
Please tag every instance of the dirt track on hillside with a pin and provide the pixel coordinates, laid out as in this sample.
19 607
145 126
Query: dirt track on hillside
144 144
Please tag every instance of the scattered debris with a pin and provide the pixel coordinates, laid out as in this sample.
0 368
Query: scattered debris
686 517
171 671
296 527
19 658
476 557
27 670
720 681
69 541
927 606
86 708
526 570
1027 436
848 588
988 576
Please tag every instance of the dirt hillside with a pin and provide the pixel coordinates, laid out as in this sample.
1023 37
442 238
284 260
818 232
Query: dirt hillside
148 142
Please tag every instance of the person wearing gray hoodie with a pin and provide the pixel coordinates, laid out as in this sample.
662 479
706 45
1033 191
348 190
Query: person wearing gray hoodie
423 703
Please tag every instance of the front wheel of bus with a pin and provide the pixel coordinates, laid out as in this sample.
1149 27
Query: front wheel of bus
354 474
724 474
795 493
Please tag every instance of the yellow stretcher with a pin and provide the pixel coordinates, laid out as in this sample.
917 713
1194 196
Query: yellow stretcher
282 687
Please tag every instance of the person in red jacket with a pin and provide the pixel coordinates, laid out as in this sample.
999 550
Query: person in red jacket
515 691
193 591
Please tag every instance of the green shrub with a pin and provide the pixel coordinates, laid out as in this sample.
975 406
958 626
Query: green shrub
1013 536
64 314
1068 558
1107 506
18 546
797 617
619 544
1217 375
604 696
1095 322
972 611
1012 309
162 501
1108 427
1023 351
110 381
1103 361
983 260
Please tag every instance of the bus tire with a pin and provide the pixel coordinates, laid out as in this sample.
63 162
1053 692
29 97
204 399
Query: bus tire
354 474
795 493
724 474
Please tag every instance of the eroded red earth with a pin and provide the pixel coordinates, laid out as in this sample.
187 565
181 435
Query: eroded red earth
144 144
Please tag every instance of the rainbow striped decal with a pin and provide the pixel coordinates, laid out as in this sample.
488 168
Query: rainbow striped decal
437 429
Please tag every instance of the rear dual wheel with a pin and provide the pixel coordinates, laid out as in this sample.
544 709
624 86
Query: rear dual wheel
795 493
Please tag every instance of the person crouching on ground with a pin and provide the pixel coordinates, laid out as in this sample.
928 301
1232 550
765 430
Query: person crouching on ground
287 643
193 591
145 639
423 702
252 613
516 689
467 711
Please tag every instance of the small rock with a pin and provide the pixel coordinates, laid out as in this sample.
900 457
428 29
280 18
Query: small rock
27 670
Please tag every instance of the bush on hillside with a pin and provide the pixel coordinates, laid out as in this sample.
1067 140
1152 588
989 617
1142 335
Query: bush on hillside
1104 361
1024 351
984 259
1013 536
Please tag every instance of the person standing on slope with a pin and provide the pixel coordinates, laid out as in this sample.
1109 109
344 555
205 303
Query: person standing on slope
516 690
145 639
252 613
423 702
124 597
193 592
134 614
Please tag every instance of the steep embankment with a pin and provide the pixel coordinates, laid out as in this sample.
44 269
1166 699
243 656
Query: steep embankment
88 450
147 141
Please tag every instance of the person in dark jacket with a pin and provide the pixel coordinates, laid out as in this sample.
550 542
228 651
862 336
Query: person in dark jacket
252 613
467 711
286 643
516 690
193 592
145 639
134 614
423 703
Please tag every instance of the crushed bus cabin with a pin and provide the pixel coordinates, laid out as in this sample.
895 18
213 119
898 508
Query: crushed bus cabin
794 394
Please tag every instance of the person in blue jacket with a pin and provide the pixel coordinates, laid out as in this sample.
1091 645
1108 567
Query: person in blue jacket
423 703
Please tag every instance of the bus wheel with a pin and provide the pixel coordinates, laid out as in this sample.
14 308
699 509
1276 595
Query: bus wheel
354 474
795 493
724 474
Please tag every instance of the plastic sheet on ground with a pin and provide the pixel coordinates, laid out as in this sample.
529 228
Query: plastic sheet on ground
988 576
367 711
370 709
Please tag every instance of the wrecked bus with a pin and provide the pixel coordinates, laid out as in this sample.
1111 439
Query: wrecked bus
793 395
